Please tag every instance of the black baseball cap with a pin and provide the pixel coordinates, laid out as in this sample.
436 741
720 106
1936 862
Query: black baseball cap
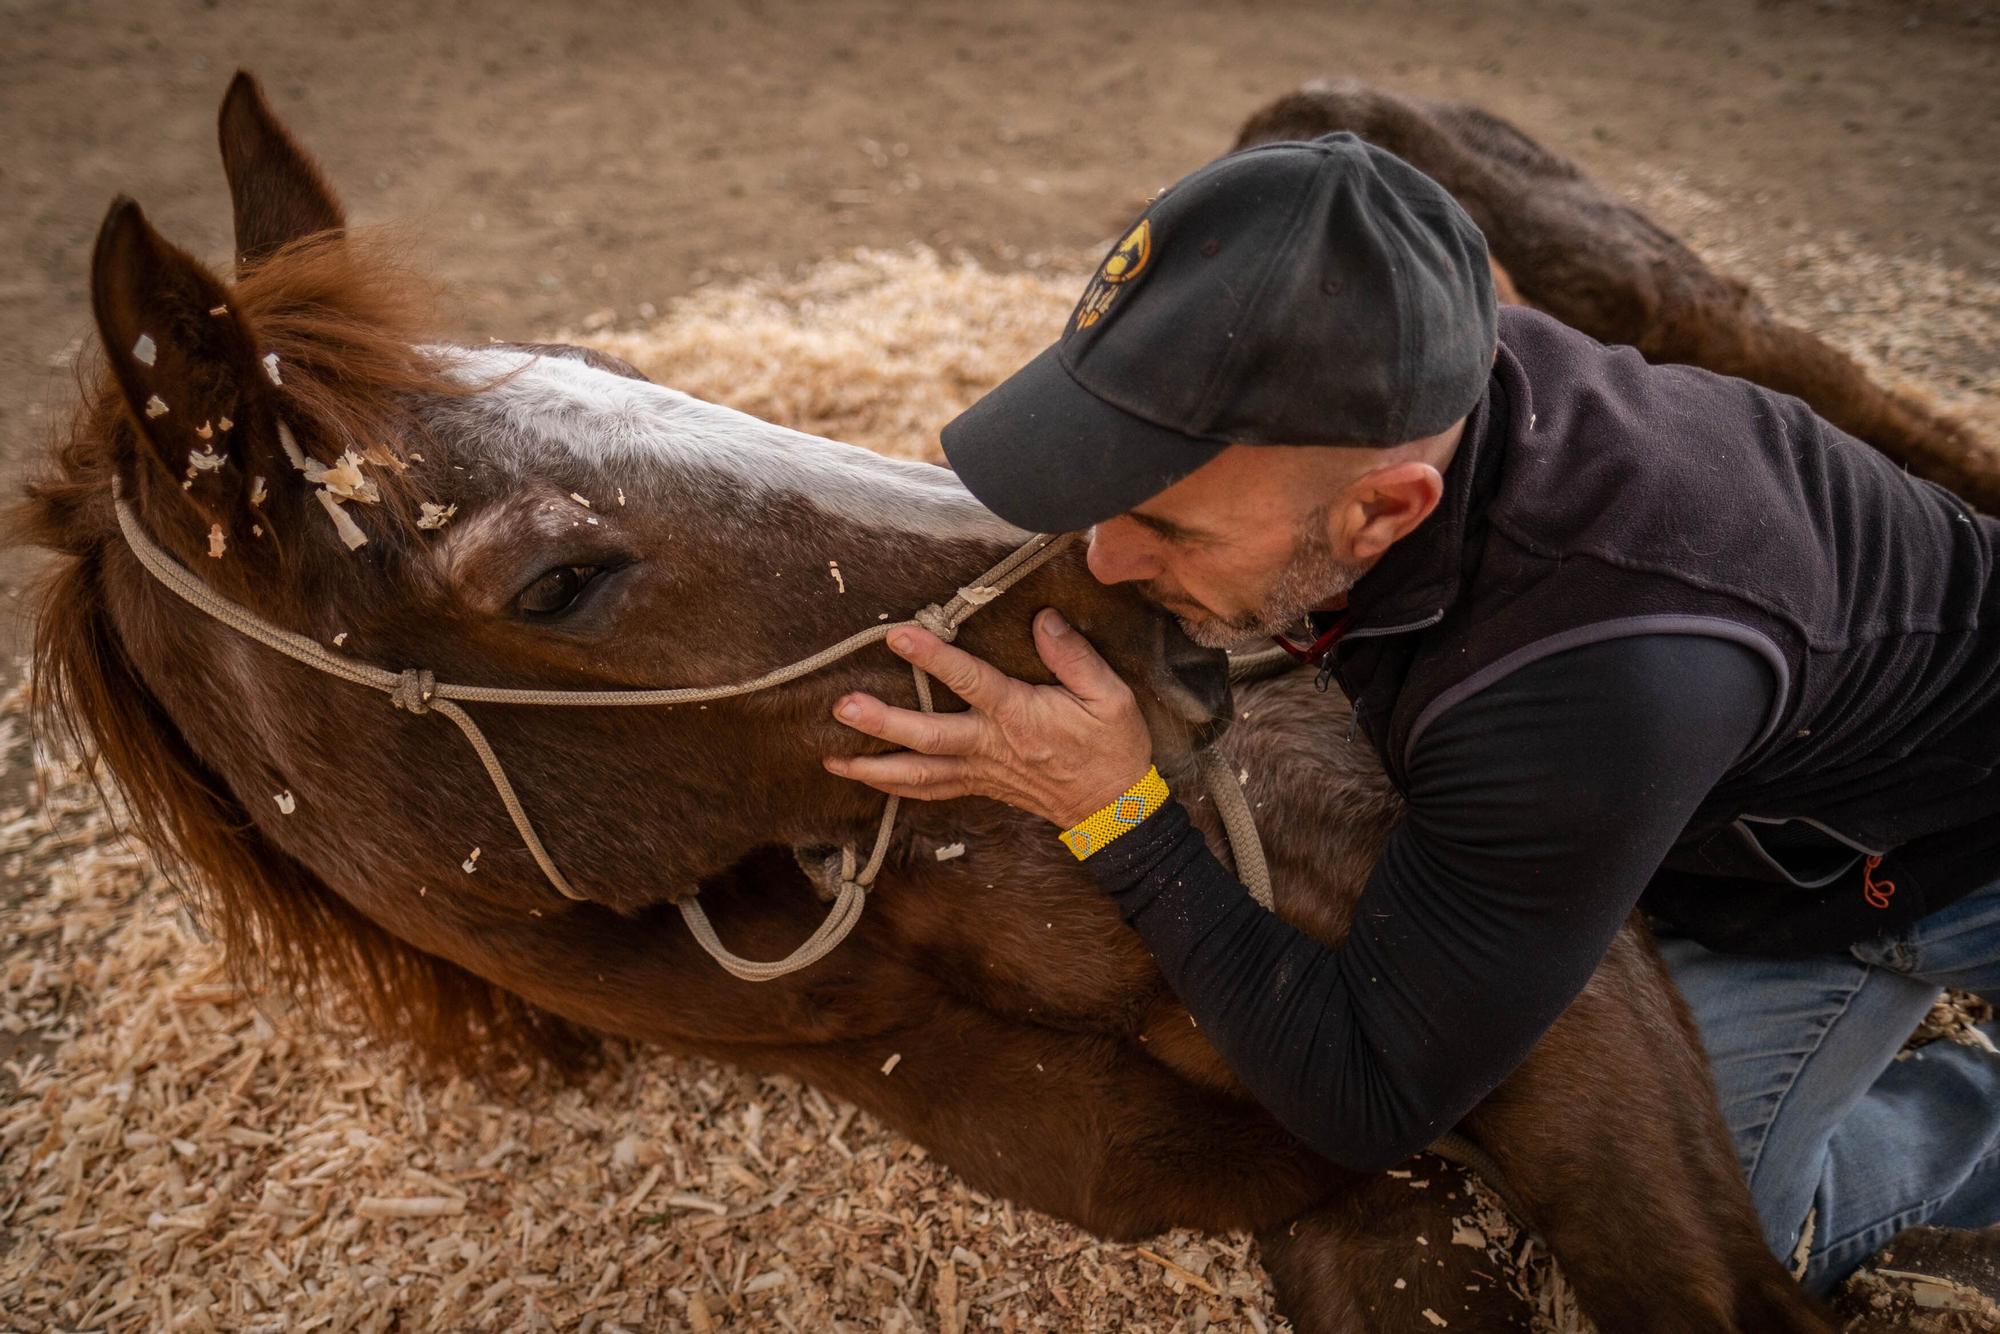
1322 293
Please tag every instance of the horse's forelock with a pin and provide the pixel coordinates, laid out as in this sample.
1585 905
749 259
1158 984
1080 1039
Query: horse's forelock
350 325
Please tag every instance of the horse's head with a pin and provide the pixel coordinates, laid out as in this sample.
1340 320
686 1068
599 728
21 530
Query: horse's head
507 515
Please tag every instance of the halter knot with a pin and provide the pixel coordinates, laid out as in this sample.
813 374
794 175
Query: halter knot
934 619
415 687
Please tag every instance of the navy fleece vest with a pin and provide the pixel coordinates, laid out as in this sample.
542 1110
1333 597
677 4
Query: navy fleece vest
1596 496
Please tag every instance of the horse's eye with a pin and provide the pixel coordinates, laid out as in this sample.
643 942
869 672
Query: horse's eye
556 590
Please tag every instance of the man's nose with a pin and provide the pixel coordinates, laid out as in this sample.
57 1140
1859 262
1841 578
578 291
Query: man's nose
1115 559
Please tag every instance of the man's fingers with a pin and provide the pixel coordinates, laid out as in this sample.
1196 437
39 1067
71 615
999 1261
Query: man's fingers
925 777
931 733
1076 664
978 683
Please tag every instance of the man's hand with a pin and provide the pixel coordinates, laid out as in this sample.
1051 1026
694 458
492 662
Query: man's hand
1059 752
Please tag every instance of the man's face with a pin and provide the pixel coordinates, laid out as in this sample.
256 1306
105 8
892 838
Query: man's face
1238 550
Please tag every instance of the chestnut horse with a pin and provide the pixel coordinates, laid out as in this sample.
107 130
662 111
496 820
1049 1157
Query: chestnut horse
541 516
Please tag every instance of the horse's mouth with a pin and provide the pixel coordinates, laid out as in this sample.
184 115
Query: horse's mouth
1194 683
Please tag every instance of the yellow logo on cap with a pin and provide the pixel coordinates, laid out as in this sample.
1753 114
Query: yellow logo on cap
1126 261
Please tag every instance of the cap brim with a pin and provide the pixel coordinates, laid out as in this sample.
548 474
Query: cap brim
1047 455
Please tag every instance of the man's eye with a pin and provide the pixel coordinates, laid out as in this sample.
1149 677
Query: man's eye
555 590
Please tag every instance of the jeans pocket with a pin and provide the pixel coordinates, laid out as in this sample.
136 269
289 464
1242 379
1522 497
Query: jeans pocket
1895 951
1959 944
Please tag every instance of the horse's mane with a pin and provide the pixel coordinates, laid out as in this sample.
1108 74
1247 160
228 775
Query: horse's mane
344 319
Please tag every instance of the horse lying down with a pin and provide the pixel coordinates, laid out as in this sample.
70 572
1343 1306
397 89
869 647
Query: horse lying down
542 517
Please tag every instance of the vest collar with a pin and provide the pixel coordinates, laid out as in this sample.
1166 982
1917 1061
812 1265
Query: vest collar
1416 581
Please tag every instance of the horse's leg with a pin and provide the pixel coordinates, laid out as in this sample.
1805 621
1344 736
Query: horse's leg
1085 1127
1083 1124
1096 1131
1610 1136
1380 1255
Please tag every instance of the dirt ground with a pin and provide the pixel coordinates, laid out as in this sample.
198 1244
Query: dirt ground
557 162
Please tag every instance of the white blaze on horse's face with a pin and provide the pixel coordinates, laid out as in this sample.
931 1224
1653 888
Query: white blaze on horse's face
540 408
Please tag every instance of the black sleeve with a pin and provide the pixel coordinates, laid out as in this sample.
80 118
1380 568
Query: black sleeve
1538 809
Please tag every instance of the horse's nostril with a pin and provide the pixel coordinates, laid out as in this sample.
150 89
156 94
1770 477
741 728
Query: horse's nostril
1202 673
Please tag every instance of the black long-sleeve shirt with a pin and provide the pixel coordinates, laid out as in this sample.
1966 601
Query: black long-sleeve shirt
1537 811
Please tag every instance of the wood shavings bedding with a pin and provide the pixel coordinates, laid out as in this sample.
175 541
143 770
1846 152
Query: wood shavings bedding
182 1158
383 457
349 531
174 1155
345 479
879 348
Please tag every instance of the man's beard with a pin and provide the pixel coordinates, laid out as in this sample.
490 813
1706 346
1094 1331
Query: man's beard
1311 577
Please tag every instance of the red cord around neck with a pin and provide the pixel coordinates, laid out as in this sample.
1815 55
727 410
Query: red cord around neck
1314 655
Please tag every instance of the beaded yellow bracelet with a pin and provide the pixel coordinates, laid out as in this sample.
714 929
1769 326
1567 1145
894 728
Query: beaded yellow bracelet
1107 822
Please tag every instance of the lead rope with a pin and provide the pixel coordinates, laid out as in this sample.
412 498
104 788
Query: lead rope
1239 827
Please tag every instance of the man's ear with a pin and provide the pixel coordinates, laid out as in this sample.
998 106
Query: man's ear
276 189
201 402
1381 507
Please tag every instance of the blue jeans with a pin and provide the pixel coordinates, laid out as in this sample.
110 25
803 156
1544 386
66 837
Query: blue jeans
1826 1120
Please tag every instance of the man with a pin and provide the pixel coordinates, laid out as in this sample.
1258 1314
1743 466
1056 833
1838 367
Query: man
1615 630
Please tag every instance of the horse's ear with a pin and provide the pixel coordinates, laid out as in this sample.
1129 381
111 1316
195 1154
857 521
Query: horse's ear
184 358
277 191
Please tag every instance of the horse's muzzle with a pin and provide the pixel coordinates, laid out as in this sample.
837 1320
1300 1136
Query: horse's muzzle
1198 681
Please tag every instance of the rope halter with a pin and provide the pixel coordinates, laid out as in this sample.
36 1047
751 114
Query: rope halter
417 691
